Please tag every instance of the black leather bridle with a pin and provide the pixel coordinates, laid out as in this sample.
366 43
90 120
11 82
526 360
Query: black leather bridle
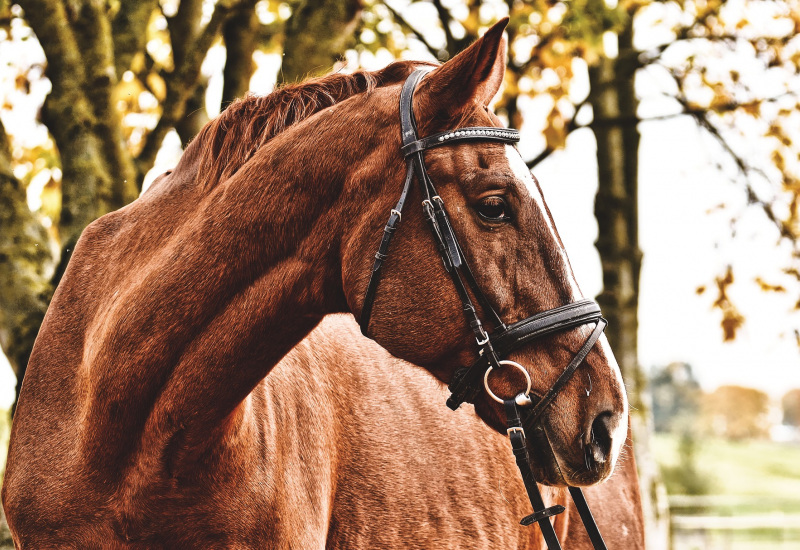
523 413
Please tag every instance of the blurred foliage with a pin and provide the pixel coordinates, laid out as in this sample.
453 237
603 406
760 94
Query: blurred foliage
676 398
736 413
716 55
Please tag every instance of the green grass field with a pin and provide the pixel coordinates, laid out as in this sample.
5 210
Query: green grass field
748 469
754 486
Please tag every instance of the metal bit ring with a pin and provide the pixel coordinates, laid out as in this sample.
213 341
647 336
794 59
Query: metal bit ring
513 364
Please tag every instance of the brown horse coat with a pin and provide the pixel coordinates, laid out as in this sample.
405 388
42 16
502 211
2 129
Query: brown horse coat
357 450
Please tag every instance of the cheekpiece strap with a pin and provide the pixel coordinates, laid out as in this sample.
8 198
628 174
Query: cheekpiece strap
534 415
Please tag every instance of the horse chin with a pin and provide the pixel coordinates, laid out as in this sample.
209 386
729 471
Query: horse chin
568 465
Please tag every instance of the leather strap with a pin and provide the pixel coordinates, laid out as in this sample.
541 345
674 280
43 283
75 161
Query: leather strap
542 514
382 254
546 323
587 518
534 416
519 447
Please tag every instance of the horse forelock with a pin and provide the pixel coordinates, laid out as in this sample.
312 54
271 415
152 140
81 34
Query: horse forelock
231 139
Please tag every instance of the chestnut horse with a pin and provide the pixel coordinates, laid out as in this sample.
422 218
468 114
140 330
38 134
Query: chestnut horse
141 423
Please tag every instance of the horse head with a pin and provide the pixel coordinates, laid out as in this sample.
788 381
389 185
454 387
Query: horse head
507 235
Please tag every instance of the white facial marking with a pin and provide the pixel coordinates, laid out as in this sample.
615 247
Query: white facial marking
522 173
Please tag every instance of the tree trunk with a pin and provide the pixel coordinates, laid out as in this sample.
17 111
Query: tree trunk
240 36
317 34
26 260
614 102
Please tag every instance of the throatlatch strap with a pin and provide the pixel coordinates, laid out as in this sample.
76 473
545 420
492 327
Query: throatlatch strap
541 514
382 253
587 518
407 125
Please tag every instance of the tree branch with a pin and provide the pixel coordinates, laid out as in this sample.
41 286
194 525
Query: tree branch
239 34
540 157
94 36
571 126
446 19
180 86
184 27
69 116
129 31
745 169
409 28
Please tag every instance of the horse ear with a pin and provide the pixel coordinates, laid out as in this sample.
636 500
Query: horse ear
472 77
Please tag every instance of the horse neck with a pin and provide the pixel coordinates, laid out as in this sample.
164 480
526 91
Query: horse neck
201 311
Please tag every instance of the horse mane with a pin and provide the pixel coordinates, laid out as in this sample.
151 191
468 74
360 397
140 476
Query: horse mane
226 143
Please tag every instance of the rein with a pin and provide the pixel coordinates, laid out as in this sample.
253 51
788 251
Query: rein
523 413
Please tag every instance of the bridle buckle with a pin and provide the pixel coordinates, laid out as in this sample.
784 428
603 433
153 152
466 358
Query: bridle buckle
515 429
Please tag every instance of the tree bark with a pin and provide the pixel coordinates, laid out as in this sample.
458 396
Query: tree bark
614 102
93 33
130 31
26 261
86 183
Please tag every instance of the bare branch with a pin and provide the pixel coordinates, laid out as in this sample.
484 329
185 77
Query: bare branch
540 157
445 18
745 169
239 34
410 28
181 84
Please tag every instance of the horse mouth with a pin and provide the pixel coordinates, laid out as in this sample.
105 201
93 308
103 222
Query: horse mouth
592 465
556 462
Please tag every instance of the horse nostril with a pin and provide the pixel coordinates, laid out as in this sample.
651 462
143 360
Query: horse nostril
600 437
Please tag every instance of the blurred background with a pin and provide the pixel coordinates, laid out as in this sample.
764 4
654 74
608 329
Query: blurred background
665 134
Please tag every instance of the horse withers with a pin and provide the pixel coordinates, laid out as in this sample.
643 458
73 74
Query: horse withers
135 426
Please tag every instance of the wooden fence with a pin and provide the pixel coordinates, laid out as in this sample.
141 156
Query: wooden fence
734 523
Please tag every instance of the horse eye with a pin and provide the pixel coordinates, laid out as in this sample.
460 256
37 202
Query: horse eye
493 209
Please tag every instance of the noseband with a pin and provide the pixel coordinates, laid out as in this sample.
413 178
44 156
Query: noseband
524 412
